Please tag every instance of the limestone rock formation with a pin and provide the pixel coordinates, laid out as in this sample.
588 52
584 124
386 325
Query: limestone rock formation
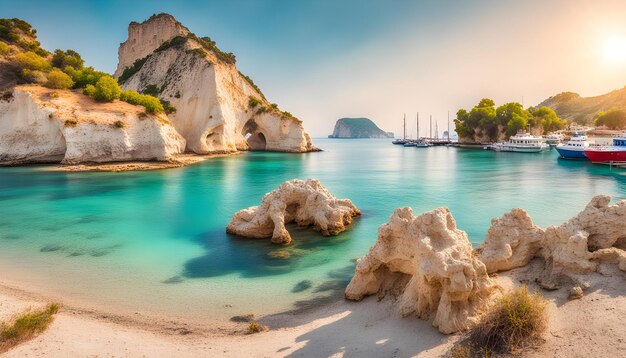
218 109
307 203
430 265
39 125
597 234
513 241
358 128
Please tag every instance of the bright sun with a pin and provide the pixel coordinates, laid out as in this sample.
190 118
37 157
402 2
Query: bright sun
615 49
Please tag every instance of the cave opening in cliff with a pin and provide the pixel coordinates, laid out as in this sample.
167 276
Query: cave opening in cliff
257 141
255 138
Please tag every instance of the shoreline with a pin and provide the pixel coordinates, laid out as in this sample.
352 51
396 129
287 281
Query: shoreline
589 326
178 161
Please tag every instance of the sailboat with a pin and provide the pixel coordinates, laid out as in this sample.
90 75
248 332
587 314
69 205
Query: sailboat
403 140
421 142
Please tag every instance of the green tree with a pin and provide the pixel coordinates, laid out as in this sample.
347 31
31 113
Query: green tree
613 119
62 59
516 124
548 119
31 61
107 89
59 80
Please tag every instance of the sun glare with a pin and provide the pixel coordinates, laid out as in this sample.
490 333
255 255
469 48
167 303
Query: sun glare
615 49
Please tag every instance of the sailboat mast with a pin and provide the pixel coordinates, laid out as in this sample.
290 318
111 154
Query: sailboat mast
404 121
417 121
431 127
448 126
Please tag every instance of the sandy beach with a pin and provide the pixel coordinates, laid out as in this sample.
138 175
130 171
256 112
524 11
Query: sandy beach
589 327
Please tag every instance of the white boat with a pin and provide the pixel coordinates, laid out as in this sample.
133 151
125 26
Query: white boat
574 148
422 143
554 139
522 142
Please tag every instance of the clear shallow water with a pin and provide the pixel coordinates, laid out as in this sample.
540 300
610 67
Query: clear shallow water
155 241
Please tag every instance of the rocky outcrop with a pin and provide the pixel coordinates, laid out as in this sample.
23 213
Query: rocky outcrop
144 38
39 125
595 235
217 108
307 203
429 264
358 128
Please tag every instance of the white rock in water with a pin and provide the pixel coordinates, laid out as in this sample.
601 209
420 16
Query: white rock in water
430 265
217 108
307 203
39 125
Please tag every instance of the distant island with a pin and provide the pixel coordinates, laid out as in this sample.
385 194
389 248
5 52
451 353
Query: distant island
358 128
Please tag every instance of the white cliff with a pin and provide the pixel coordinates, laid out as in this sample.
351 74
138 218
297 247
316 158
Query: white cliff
40 125
429 264
307 203
217 108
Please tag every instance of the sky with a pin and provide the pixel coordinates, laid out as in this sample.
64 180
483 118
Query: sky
327 59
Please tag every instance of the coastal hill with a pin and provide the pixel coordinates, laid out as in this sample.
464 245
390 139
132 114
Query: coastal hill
179 93
46 117
572 107
358 128
218 109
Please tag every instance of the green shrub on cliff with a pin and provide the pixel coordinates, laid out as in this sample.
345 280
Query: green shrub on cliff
131 70
89 90
253 102
31 61
59 80
4 49
84 76
150 103
107 89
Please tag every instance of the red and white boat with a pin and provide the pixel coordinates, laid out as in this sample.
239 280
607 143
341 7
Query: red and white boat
609 154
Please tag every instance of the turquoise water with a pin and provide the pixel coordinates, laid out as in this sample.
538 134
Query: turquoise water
156 241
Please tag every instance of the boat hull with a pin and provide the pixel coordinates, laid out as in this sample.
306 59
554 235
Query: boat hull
519 149
606 155
571 154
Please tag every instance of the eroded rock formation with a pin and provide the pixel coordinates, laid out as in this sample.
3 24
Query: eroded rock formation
307 203
218 109
430 265
578 246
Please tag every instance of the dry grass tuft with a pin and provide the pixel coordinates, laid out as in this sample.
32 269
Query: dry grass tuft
515 321
26 326
255 327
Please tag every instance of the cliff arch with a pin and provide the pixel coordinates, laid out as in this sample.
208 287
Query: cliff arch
254 137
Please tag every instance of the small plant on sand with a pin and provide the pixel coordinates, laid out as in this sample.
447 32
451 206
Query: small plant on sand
255 327
26 326
118 124
70 123
515 321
